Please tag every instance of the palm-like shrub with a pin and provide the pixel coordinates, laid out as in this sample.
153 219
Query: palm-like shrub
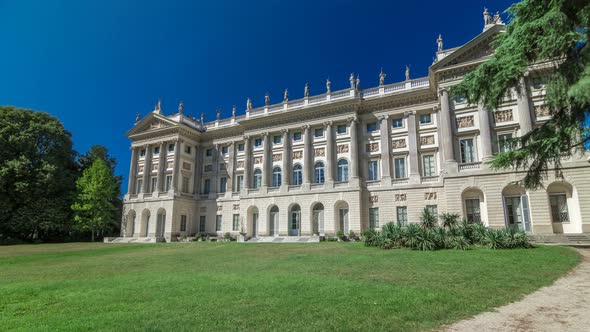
494 239
411 237
426 240
428 219
449 220
459 242
395 233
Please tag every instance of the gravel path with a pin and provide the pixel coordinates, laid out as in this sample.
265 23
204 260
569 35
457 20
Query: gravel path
563 306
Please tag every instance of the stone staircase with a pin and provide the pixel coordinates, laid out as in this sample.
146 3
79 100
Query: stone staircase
284 239
581 240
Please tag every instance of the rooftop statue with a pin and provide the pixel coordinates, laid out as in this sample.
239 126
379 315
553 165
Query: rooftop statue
249 104
202 117
382 77
358 83
351 79
306 90
498 19
233 111
158 107
286 95
137 117
218 114
328 86
267 99
439 42
407 73
487 18
180 107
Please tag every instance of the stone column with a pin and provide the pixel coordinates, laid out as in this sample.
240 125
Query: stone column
414 175
133 172
247 164
231 168
266 161
198 171
485 133
215 175
162 166
307 157
147 168
354 152
447 133
385 150
524 107
176 173
330 154
286 176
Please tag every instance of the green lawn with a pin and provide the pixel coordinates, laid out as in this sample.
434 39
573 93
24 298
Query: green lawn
234 286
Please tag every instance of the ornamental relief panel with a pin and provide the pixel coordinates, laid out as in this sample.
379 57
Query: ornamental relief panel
400 197
430 196
342 148
240 164
155 167
257 160
277 157
503 116
398 143
140 169
427 140
372 147
465 122
374 199
236 207
297 154
186 166
542 110
320 152
170 165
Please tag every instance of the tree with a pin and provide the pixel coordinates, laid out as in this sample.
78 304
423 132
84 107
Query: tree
94 209
554 31
37 175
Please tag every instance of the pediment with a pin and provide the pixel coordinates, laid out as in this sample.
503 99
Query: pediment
152 122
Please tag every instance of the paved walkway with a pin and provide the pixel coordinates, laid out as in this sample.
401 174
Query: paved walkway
563 306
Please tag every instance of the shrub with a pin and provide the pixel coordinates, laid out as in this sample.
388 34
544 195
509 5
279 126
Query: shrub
449 220
340 234
352 235
494 239
459 242
426 240
227 236
198 237
394 233
412 233
428 219
370 238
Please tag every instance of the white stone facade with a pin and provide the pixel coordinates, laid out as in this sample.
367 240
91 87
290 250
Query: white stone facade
349 160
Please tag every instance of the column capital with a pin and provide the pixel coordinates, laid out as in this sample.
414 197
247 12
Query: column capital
352 119
265 134
443 89
435 108
305 127
328 123
285 131
408 113
383 117
246 137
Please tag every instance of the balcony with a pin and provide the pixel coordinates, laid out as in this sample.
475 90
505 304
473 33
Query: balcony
470 166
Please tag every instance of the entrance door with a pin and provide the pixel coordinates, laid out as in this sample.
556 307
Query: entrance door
254 224
294 223
343 220
274 224
517 213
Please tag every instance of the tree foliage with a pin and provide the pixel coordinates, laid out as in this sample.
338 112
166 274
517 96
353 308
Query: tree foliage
554 31
37 175
94 207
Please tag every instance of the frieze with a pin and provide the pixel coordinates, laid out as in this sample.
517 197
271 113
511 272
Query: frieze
372 147
542 110
257 160
503 116
277 157
155 167
373 199
427 140
140 169
320 152
297 154
236 207
240 164
400 197
399 143
430 196
465 122
170 165
342 148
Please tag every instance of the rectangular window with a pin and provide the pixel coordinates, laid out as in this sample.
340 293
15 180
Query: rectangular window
236 223
185 184
397 123
402 215
218 221
187 149
276 139
209 152
157 150
504 142
240 183
142 153
374 218
170 147
224 149
202 223
258 142
297 136
183 223
222 184
241 147
428 165
341 129
371 127
425 118
206 186
467 151
472 210
154 184
140 186
400 168
168 182
559 211
433 209
318 132
373 170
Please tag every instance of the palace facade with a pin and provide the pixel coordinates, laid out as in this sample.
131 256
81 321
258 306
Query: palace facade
350 160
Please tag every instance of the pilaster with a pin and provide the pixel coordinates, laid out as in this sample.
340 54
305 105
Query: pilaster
307 158
286 176
385 150
450 163
330 154
414 174
524 107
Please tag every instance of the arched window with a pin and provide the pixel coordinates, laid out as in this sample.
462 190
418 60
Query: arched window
319 172
343 170
276 177
257 178
297 176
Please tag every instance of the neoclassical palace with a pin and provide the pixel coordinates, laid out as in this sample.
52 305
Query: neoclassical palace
350 160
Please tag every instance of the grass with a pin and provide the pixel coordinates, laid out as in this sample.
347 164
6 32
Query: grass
287 287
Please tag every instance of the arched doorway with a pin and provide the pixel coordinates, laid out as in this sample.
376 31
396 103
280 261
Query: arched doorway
474 206
295 220
130 224
145 223
516 208
317 221
252 221
341 220
161 223
273 221
565 210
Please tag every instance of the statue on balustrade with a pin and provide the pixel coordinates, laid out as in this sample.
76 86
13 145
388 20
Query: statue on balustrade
382 77
351 79
137 117
328 85
407 73
306 90
233 111
202 117
180 107
267 99
249 104
439 42
358 82
218 114
286 95
487 18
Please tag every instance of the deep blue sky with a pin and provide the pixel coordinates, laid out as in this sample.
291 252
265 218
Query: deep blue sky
95 64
